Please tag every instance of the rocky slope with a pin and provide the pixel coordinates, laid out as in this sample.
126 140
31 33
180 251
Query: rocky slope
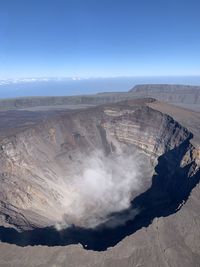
43 147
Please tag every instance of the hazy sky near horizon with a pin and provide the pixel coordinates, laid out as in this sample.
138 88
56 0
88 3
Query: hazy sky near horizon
99 38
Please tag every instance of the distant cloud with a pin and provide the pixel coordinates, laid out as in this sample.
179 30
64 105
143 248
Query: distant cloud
32 80
76 78
23 80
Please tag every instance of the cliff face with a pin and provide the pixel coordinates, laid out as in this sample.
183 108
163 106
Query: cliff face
171 93
151 131
35 160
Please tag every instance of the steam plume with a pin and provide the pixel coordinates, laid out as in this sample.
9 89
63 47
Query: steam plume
100 187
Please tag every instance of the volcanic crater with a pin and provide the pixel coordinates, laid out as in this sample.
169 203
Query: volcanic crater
91 176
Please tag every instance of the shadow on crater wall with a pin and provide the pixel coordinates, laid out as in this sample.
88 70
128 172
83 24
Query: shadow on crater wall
170 187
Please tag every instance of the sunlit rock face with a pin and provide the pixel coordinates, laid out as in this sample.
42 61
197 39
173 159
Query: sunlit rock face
149 130
80 167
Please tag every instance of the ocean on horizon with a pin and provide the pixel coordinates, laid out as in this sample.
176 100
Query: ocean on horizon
71 86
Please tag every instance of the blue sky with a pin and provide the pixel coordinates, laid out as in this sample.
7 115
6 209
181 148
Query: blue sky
99 38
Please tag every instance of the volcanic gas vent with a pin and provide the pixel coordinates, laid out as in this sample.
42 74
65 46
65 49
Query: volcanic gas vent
96 170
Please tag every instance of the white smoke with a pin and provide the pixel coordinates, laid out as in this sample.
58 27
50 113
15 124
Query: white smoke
101 186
